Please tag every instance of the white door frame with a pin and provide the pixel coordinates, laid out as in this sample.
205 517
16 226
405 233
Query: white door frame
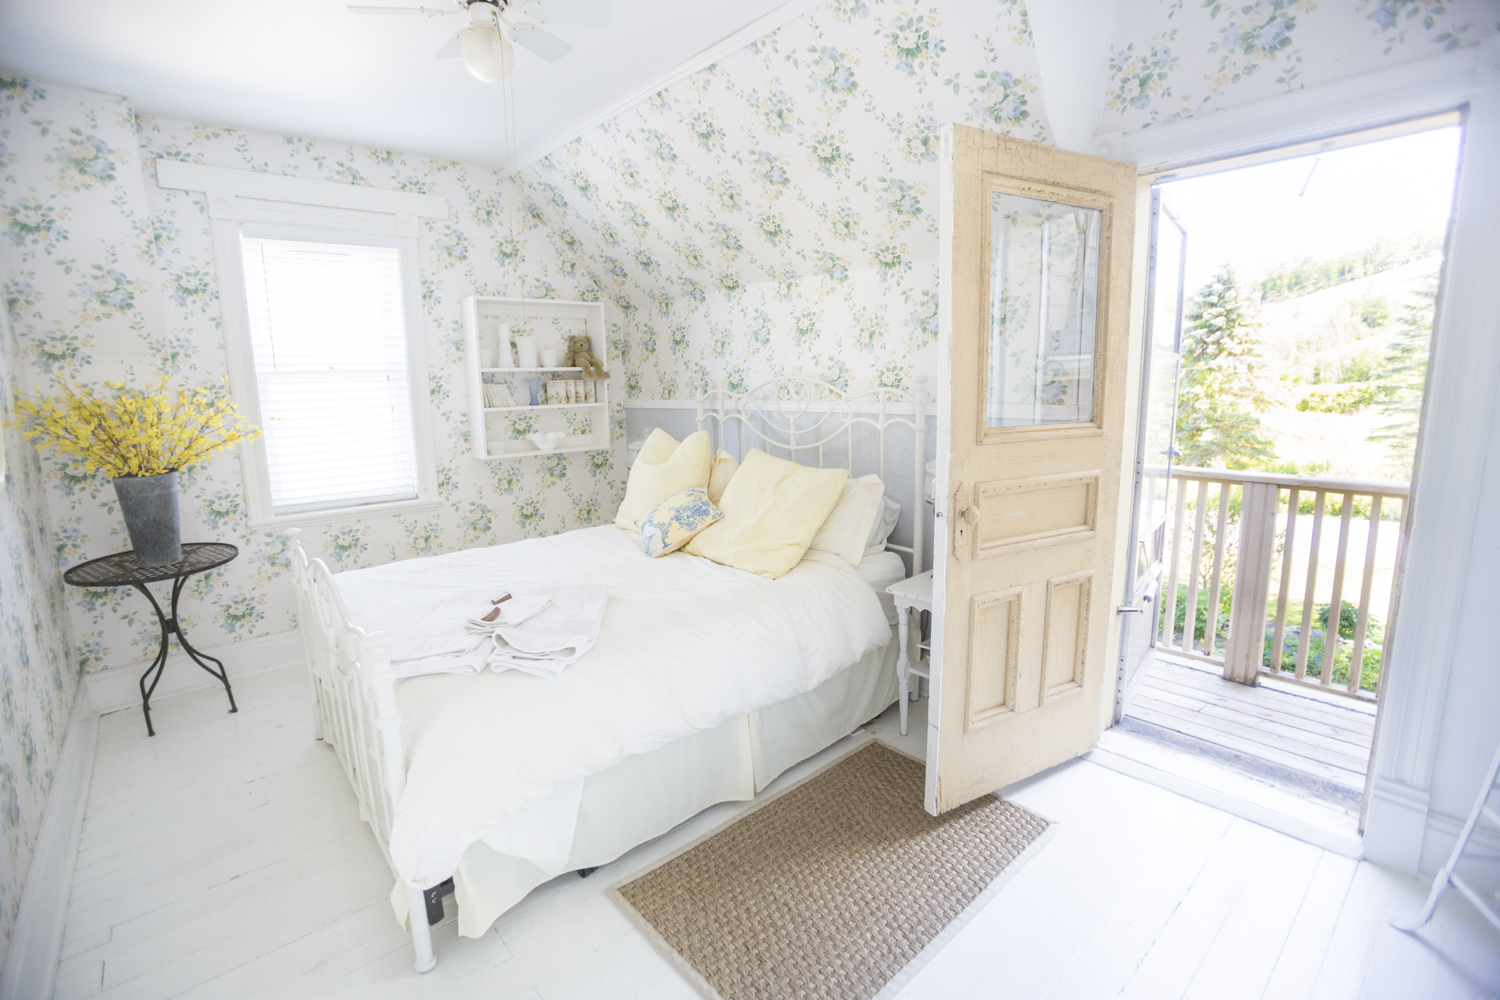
1456 421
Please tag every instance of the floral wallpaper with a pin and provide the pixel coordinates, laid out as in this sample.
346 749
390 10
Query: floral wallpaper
776 212
1176 58
37 680
108 276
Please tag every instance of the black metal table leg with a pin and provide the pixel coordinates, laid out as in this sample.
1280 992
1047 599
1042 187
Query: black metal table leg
194 655
169 627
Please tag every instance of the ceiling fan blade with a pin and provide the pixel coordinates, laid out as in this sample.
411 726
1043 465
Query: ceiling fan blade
597 12
452 50
534 39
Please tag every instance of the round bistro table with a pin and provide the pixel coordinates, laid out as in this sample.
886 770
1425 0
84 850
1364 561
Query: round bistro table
122 570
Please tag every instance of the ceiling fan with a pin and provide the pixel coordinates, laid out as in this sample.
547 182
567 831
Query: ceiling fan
494 25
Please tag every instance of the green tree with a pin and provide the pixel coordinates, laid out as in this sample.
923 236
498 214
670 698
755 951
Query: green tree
1219 392
1403 379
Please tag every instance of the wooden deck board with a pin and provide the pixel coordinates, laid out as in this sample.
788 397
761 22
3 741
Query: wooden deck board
1314 736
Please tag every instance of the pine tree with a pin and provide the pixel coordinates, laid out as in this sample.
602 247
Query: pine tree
1219 392
1403 379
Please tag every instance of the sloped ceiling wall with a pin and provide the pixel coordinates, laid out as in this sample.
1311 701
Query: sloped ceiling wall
775 213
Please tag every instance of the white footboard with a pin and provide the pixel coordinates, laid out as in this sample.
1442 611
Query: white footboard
354 711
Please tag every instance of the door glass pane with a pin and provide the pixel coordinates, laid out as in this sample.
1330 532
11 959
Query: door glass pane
1044 284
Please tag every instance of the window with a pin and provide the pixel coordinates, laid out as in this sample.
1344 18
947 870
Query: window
323 337
328 337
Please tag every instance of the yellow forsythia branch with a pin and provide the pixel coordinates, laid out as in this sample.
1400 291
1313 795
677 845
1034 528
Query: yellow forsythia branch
133 432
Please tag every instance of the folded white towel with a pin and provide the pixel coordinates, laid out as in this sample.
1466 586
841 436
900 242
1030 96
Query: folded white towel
439 644
537 631
546 642
511 613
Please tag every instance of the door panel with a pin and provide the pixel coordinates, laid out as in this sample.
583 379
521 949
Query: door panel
995 649
1153 470
1034 325
1022 514
1066 648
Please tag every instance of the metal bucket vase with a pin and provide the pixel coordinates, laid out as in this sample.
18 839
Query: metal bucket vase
149 504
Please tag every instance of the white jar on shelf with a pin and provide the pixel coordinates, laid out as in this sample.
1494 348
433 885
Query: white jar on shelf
526 351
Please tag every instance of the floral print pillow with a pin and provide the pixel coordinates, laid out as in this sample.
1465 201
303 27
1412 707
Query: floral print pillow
672 523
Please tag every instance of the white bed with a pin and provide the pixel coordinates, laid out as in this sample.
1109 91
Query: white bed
706 683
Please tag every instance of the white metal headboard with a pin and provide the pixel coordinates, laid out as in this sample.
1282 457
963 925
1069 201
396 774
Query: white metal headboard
798 416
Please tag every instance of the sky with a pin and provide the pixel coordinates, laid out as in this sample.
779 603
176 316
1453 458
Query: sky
1261 217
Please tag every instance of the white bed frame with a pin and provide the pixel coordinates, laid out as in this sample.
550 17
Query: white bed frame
349 669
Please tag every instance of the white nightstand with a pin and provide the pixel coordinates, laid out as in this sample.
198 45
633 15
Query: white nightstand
911 595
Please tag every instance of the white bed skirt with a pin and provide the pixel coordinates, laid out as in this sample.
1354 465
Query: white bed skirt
644 796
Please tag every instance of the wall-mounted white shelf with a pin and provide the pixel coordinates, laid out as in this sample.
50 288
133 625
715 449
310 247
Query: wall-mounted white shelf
533 452
541 406
525 371
551 322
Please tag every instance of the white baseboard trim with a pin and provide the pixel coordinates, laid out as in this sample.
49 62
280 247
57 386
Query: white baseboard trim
1442 834
1396 824
119 687
35 945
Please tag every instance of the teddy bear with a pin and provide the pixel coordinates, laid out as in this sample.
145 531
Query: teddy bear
580 355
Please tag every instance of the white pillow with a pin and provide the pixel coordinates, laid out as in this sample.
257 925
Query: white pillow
881 530
847 528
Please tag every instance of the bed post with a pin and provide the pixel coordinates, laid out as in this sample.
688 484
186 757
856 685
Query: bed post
303 585
393 766
919 449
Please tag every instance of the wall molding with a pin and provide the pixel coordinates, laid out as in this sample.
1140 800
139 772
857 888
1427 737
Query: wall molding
118 688
1412 90
726 46
230 182
36 943
1448 483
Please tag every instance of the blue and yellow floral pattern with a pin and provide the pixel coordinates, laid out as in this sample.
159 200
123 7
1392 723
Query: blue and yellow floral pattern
672 523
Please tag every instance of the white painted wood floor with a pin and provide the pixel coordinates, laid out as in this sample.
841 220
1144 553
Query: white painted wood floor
224 858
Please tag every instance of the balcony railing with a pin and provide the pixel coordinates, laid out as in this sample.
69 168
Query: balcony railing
1257 579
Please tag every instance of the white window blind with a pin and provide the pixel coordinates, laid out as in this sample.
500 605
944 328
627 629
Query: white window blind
328 332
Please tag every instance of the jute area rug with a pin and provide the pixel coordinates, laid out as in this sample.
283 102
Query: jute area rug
840 887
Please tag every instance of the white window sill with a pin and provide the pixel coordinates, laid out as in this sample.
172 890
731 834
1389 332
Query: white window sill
334 514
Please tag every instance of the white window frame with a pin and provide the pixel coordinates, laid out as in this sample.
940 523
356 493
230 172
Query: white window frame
239 198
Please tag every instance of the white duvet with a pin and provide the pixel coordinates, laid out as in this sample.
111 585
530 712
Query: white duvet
685 644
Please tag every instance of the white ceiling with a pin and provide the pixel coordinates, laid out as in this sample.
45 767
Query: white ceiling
310 68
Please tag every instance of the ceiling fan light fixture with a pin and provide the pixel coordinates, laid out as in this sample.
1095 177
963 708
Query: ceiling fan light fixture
488 53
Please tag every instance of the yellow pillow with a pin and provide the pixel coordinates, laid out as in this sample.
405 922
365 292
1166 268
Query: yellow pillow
663 468
672 523
772 509
718 477
846 531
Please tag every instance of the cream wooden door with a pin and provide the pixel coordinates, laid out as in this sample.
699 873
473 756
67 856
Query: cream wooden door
1034 329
